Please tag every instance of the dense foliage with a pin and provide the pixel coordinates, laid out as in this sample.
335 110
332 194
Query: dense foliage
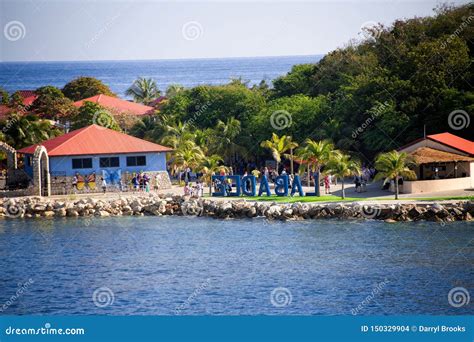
370 96
84 87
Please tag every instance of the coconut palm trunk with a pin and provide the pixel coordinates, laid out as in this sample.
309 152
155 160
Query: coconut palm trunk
396 187
291 162
316 181
309 176
343 190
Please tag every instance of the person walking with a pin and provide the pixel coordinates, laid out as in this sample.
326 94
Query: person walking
327 185
103 184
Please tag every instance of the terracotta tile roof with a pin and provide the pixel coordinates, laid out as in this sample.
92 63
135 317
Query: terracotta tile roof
454 141
426 155
4 112
117 105
29 96
95 139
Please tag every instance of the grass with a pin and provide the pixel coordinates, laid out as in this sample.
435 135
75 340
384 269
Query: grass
332 198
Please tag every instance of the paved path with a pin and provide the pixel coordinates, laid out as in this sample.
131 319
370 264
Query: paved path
374 191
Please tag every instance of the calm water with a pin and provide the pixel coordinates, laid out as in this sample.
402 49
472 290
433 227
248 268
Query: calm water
205 266
119 75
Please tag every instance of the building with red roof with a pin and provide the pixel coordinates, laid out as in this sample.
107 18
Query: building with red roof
96 150
28 96
118 106
443 161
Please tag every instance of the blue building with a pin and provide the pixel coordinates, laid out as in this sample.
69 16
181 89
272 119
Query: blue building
94 152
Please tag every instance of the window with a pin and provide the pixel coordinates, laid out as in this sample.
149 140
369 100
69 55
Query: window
109 162
82 163
136 161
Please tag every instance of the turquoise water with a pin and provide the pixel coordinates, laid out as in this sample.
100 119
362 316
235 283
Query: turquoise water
119 75
188 265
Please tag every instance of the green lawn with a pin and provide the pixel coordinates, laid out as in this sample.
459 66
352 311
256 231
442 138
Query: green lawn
332 198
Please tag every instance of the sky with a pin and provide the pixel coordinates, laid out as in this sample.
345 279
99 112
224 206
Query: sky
70 30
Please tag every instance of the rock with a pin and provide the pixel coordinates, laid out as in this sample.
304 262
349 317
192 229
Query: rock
389 220
48 213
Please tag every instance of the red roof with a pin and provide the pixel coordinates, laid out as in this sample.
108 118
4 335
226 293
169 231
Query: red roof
95 139
454 141
118 105
4 111
29 96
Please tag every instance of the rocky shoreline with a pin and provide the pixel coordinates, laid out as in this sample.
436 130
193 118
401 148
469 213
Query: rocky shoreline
158 205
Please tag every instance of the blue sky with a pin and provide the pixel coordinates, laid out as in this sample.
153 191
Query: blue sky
123 30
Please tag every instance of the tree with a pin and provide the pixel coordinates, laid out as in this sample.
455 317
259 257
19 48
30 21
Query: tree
25 130
209 166
291 146
173 90
52 104
342 166
85 87
143 90
278 146
188 155
317 153
16 101
393 165
4 97
92 113
225 136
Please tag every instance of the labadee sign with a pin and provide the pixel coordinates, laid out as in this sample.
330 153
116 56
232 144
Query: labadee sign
247 186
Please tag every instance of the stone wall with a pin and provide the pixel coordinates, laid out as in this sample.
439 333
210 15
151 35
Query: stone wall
159 204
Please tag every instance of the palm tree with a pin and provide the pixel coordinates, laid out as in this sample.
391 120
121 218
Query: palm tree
187 156
291 146
176 135
278 146
317 153
226 134
210 166
393 165
25 130
143 90
173 90
342 166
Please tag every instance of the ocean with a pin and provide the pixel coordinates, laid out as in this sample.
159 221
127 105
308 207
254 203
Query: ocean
119 75
189 265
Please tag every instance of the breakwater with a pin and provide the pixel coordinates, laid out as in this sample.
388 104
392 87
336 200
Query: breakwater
159 204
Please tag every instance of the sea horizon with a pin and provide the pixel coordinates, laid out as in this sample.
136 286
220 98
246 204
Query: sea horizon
120 74
160 59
